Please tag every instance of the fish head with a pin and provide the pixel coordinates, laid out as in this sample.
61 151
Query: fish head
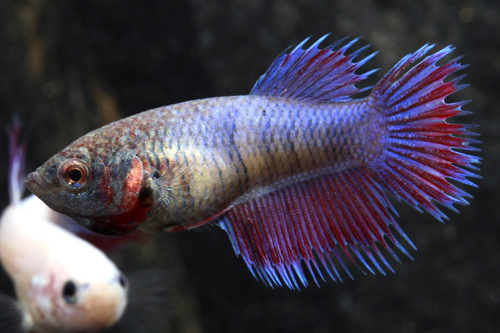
101 189
75 303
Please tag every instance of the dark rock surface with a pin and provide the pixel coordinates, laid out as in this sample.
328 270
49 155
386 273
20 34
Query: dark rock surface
72 66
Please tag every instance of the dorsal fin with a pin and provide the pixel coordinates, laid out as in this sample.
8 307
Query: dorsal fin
314 74
17 159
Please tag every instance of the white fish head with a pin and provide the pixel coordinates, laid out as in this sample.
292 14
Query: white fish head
57 302
63 283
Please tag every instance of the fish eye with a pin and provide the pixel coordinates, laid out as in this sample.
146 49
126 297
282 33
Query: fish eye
123 281
74 174
69 292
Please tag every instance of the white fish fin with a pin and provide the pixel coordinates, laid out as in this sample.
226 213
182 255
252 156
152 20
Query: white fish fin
11 316
149 306
17 159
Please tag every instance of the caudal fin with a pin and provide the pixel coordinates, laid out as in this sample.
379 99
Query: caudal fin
422 146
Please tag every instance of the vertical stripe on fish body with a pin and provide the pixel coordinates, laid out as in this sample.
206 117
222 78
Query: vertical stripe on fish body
296 172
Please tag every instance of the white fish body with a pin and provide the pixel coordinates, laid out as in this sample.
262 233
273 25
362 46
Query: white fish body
63 283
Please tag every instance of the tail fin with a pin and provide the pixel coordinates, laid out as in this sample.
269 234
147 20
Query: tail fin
422 148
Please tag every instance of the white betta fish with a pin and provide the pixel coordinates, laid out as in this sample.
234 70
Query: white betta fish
62 282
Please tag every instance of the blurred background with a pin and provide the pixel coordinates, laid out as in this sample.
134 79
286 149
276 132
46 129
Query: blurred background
68 67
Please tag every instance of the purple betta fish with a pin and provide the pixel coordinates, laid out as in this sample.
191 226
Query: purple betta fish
295 172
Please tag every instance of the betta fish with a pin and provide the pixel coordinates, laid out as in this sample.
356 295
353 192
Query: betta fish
297 172
62 282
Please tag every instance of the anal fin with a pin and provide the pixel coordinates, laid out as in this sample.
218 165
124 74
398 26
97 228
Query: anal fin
319 223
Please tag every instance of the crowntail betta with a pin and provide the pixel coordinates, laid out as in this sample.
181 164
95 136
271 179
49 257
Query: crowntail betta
296 171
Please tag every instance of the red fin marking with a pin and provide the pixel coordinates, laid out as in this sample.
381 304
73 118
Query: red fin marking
361 235
366 232
307 222
334 213
318 221
377 208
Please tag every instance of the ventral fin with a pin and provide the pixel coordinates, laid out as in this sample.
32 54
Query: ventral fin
316 225
314 74
11 317
150 306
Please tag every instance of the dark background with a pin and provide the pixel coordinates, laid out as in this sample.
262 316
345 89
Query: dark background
69 67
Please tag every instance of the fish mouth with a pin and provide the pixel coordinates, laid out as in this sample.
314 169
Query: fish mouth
35 183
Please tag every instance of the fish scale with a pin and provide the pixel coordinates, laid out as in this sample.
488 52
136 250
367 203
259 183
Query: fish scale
297 173
272 156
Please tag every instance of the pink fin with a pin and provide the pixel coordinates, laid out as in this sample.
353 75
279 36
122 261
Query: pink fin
314 222
313 74
17 159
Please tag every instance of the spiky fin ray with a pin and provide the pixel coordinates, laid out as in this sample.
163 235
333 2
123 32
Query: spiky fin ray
313 74
421 153
310 223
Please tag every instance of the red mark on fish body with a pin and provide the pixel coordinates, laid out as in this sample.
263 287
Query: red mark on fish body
133 182
106 190
133 206
121 224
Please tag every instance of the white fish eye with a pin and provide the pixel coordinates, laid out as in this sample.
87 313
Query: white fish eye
123 281
69 292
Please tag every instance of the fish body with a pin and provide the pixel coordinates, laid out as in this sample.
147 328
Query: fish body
294 168
225 158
